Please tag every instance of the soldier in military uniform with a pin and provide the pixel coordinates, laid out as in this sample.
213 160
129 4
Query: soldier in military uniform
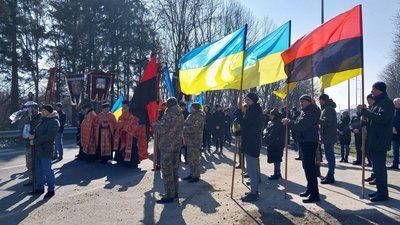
33 121
193 136
170 131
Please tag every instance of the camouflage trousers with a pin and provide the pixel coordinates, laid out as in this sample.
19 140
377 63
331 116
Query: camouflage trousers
194 160
169 170
29 161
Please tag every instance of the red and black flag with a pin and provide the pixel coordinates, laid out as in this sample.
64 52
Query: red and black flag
146 94
333 52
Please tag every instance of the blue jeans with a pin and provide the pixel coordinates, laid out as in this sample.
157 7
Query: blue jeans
59 151
253 172
330 157
395 145
44 174
277 168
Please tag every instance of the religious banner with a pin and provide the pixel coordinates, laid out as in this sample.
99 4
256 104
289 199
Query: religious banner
75 87
50 95
99 84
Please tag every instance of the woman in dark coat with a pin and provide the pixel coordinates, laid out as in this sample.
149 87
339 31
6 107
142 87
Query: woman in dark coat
275 141
344 136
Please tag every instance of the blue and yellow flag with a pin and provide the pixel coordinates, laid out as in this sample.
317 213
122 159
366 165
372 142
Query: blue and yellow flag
168 82
263 63
212 66
117 107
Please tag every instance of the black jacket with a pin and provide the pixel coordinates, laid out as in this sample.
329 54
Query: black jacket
380 122
62 118
356 124
306 125
344 130
218 119
396 124
208 122
45 134
328 123
251 124
275 139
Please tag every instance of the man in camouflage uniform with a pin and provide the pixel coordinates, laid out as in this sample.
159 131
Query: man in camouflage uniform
170 133
33 121
193 136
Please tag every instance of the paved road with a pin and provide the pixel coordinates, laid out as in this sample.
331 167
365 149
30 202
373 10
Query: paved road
91 193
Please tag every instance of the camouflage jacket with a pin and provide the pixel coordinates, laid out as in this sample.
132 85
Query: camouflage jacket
193 128
170 130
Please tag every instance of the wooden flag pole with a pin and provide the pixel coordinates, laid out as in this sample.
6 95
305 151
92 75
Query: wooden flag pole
240 106
363 129
286 139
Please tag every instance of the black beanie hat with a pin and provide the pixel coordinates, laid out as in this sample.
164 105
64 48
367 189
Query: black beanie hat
380 86
48 108
306 98
253 97
324 97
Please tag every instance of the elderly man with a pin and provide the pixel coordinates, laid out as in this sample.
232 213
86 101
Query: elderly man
306 128
379 136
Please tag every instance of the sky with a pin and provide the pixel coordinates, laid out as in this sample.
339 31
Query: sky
378 28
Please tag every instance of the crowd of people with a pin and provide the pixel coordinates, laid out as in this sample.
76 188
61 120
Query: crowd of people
314 130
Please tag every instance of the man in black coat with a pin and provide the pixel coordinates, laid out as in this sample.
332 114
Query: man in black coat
306 128
251 124
355 126
396 134
379 137
218 128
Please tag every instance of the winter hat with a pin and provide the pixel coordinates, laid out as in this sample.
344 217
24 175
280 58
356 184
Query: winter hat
59 104
48 108
324 97
306 98
380 86
370 96
105 105
196 106
253 97
172 102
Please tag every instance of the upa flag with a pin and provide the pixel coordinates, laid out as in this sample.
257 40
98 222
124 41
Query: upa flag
50 95
263 63
332 52
212 66
117 107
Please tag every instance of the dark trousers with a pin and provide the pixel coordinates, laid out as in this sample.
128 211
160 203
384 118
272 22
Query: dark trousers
358 144
380 172
219 138
308 150
206 138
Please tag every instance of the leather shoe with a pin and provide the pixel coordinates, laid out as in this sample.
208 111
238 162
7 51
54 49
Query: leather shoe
305 193
356 163
372 182
187 178
328 181
250 197
193 180
372 177
379 198
274 177
311 199
49 194
371 195
165 200
36 192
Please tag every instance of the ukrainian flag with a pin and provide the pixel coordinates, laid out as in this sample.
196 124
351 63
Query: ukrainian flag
117 107
212 66
263 63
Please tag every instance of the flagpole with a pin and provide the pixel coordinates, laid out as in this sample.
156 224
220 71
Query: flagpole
363 129
287 127
240 106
